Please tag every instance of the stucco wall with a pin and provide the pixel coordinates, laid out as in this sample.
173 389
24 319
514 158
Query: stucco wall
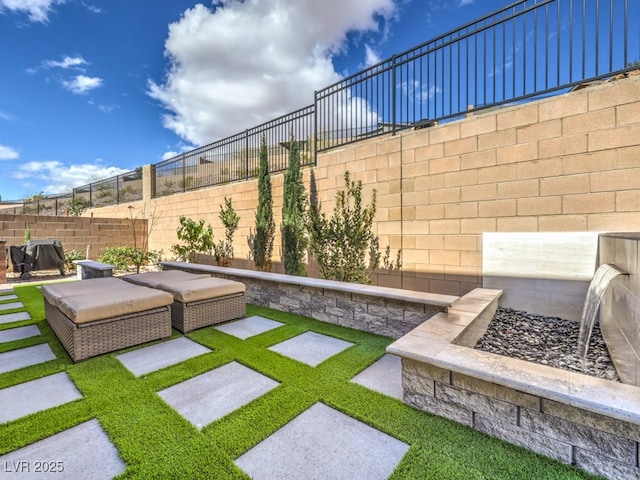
567 163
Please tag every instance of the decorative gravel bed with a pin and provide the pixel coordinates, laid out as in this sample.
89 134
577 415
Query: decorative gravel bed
545 340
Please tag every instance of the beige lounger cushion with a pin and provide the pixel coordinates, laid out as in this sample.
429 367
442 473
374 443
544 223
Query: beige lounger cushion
153 279
53 292
202 289
112 303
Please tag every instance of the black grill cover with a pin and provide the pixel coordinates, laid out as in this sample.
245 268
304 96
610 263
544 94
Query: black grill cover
38 255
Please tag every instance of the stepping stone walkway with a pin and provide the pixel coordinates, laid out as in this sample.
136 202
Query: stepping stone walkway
212 395
36 395
161 355
311 348
384 376
25 357
19 333
321 444
14 317
248 327
11 306
83 451
4 298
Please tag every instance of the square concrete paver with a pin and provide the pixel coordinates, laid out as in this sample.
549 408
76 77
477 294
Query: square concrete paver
13 334
322 443
248 327
161 355
83 451
11 306
14 317
212 395
384 376
311 348
4 298
36 395
25 357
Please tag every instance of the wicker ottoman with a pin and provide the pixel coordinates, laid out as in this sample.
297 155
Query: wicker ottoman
91 317
199 300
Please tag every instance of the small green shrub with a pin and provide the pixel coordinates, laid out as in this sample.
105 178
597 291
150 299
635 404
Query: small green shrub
126 257
70 256
196 238
223 250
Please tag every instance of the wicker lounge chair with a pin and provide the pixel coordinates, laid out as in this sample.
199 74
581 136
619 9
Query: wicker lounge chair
199 299
91 317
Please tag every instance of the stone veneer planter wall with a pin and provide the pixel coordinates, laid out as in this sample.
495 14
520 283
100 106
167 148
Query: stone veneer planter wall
385 311
577 419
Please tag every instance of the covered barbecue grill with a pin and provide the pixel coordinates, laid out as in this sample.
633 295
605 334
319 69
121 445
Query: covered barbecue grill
37 255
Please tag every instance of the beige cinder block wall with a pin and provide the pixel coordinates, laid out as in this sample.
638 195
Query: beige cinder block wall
567 163
75 233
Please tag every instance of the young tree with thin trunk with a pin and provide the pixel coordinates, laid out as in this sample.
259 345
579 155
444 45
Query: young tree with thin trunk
262 239
294 239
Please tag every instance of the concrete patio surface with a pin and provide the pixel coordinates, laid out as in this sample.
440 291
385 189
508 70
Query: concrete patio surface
36 395
14 317
19 333
83 452
384 376
25 357
311 348
161 355
248 327
322 443
11 306
212 395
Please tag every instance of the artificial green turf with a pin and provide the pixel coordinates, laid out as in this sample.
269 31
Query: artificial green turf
154 441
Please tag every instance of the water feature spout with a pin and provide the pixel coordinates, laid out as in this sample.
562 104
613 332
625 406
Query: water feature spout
605 274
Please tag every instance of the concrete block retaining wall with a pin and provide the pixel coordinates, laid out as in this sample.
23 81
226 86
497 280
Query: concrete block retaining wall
594 442
385 311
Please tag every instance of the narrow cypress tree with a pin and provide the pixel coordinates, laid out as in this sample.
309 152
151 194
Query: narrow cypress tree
294 240
265 226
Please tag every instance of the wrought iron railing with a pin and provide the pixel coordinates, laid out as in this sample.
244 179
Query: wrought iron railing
237 157
530 49
126 187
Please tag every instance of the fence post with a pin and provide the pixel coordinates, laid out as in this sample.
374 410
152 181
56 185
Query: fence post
246 155
184 174
117 189
393 94
315 128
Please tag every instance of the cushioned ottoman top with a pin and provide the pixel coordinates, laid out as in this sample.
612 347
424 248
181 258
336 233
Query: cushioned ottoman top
153 279
53 292
202 289
112 303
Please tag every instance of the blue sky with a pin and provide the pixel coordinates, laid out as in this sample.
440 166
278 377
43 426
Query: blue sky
91 89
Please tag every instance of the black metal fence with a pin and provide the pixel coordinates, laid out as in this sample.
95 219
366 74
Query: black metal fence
238 157
126 187
530 49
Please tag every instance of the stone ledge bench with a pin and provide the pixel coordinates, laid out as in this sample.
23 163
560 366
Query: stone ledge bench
88 269
574 418
386 311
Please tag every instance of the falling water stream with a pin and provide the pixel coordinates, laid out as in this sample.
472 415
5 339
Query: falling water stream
605 274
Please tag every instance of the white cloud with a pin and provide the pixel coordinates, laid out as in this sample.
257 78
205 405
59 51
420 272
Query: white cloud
37 10
246 62
55 177
465 2
82 84
8 153
67 62
371 56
